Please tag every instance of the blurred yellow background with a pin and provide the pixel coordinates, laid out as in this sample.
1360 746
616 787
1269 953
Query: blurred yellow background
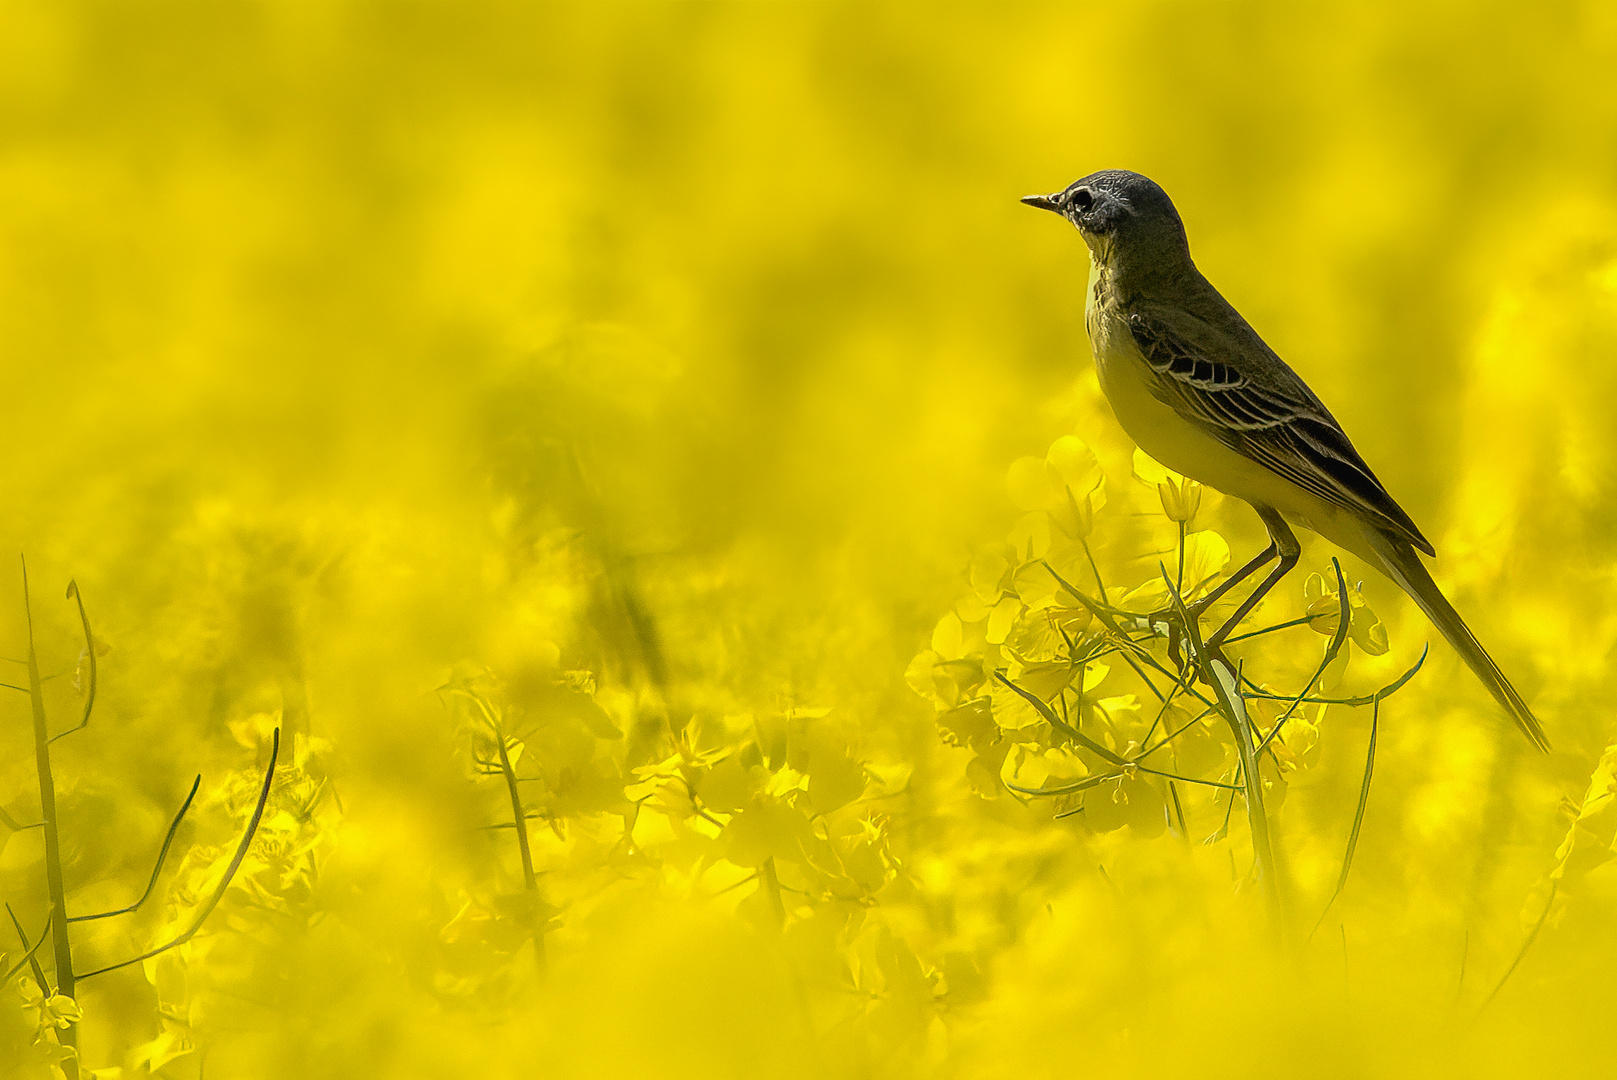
354 348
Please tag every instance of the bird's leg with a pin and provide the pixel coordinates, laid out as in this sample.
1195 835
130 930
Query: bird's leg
1283 542
1234 579
1194 611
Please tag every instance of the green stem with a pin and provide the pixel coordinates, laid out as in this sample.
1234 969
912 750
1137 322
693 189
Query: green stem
529 878
1288 624
224 882
1233 707
1226 683
61 943
1528 944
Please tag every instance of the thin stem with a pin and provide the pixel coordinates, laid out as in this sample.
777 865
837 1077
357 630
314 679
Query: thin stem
519 824
1178 680
61 942
1189 779
1104 612
530 880
1226 686
162 854
1358 816
696 805
1528 944
1156 723
1170 738
1056 722
29 950
1330 656
1179 583
1288 624
510 824
1224 829
1147 679
89 651
1106 615
14 825
1179 811
1093 566
1234 708
28 959
1068 789
737 884
224 882
1363 699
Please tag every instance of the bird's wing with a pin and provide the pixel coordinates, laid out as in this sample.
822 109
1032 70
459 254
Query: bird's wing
1272 419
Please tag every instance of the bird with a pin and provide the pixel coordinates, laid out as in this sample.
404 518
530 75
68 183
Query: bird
1193 384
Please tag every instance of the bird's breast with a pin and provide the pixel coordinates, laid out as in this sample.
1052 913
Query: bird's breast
1131 388
1118 361
1125 380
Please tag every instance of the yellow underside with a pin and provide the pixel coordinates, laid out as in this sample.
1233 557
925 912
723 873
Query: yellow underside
1185 448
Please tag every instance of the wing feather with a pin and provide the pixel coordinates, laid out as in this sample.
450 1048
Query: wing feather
1271 417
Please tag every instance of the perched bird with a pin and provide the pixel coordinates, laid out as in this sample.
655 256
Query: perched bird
1196 387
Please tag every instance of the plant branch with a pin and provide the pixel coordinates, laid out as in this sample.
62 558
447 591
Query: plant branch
1223 677
1163 711
519 824
1179 812
89 651
1363 699
1166 739
162 854
1528 944
1106 614
224 882
1337 641
1189 779
1056 722
28 955
1067 789
14 825
1288 624
1358 817
61 943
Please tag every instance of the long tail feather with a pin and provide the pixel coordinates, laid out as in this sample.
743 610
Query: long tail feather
1399 562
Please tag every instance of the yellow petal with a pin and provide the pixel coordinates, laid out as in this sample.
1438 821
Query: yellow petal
1075 464
948 637
1028 482
1001 619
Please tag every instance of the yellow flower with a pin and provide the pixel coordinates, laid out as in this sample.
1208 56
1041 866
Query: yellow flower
1181 496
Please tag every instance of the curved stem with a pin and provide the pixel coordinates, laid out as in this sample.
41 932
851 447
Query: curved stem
1216 668
168 840
224 882
89 651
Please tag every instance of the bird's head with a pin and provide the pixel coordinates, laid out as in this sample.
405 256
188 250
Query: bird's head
1125 218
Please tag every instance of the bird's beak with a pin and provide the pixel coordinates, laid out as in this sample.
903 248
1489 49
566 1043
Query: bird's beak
1043 202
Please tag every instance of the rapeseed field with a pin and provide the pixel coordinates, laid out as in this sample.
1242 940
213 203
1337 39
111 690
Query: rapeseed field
583 540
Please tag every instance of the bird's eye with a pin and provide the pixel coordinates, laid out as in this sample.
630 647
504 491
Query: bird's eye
1082 200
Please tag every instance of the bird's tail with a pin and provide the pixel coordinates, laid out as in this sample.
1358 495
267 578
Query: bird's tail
1400 562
